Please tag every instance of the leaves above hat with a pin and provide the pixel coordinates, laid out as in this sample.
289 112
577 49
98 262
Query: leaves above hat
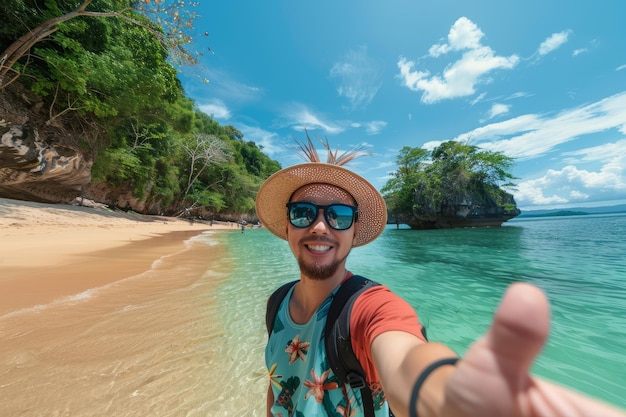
306 151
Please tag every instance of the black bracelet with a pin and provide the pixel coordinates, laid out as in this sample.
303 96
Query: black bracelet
420 381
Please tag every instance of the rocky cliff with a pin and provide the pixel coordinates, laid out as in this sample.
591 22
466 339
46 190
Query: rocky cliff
457 216
38 161
41 160
471 209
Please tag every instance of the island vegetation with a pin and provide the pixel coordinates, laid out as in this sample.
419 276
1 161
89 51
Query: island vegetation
454 185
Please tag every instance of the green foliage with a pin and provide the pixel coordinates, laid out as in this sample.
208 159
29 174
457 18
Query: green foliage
117 166
19 16
209 199
400 189
94 72
451 174
112 77
166 187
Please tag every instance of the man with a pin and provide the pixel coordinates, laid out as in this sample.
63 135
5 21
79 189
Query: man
323 211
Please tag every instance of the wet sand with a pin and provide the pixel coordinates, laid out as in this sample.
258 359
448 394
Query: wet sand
107 313
49 251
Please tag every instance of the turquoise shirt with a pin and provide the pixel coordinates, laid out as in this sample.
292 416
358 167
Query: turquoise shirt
301 379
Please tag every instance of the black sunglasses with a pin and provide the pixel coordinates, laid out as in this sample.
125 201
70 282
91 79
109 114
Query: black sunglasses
338 216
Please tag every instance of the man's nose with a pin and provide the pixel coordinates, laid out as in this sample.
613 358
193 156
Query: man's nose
319 224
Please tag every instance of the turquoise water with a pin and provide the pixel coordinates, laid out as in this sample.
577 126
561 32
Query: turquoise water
455 279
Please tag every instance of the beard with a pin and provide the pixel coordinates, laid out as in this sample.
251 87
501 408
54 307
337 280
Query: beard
319 272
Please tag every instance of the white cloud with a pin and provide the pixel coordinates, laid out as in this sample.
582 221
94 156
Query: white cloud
498 109
531 193
578 196
460 77
225 87
553 42
375 127
603 153
216 109
359 78
572 185
531 136
577 52
263 138
621 67
300 118
478 99
464 34
519 94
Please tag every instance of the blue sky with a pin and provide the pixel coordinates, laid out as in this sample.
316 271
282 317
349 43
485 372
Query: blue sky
541 81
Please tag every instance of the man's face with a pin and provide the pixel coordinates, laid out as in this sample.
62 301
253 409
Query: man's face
319 249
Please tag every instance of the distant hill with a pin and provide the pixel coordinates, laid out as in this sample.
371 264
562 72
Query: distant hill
578 211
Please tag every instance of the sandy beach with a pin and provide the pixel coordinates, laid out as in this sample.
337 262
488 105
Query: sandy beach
48 251
110 313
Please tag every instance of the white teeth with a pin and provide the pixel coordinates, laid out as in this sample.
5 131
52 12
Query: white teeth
319 248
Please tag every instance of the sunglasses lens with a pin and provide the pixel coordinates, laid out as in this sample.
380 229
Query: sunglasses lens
302 214
339 217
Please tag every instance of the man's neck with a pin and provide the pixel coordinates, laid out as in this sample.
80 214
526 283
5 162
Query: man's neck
309 294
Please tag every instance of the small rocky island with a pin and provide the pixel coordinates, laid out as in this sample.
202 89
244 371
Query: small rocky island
468 212
454 185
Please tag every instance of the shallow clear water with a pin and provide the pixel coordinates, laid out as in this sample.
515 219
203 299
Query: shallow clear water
456 278
187 337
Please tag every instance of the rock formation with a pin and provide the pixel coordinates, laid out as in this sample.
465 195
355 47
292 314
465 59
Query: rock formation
41 161
35 166
472 209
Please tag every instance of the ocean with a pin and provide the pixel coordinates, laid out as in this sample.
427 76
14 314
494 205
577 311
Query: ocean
187 337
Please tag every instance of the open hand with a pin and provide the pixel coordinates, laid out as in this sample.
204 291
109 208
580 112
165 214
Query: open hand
493 379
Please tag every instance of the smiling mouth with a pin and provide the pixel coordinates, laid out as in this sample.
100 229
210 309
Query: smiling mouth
318 248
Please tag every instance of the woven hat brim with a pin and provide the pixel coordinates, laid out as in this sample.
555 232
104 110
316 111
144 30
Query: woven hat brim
275 192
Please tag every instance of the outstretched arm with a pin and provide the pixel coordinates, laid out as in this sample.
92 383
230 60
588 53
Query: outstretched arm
493 378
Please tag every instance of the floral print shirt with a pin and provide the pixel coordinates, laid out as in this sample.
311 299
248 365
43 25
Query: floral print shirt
301 379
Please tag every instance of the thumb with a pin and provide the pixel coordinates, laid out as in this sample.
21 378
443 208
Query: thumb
520 329
494 371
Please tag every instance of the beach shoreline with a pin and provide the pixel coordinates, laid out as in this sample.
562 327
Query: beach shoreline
50 251
113 316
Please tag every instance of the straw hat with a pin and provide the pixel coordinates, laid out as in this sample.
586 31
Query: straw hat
274 194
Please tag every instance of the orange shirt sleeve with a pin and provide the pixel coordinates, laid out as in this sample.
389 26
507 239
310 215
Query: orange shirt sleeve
374 312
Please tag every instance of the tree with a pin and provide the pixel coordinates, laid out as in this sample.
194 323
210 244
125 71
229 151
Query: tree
203 150
173 21
401 188
459 169
453 174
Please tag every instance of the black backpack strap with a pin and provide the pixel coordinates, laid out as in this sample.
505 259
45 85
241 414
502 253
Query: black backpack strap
273 304
341 357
